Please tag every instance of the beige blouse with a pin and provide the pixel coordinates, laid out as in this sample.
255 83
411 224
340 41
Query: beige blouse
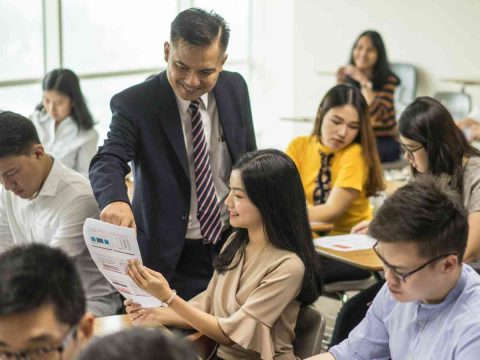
255 304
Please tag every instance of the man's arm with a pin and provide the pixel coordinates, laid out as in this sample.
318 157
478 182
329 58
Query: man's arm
110 166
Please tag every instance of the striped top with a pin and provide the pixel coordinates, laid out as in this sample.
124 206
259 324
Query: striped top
382 109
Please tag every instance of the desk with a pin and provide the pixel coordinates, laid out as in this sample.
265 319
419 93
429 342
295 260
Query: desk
363 259
109 324
319 226
393 185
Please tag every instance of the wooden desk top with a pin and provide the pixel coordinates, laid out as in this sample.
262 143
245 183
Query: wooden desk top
110 324
393 185
320 226
363 259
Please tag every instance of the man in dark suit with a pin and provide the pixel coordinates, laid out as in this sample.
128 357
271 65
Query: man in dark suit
183 130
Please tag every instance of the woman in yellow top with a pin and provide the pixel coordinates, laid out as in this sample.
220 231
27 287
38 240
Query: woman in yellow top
339 164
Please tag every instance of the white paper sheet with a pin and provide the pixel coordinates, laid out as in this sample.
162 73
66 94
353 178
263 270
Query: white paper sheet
111 247
349 242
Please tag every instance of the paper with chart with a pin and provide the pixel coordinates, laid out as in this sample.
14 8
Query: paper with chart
349 242
111 247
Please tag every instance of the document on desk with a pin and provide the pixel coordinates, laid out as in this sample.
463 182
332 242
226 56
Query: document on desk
348 242
111 247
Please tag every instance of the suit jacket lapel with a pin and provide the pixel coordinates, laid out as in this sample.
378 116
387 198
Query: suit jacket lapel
228 118
170 121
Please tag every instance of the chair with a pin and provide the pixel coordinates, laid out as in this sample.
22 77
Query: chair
458 103
407 90
338 290
308 332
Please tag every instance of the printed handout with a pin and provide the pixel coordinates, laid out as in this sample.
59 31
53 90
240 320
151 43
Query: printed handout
349 242
111 247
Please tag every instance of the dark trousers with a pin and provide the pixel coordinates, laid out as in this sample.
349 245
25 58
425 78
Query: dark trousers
388 148
333 271
195 266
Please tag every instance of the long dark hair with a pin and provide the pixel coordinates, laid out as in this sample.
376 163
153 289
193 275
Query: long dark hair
381 69
344 94
273 185
67 83
428 122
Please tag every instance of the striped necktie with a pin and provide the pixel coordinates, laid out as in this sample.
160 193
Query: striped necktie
208 207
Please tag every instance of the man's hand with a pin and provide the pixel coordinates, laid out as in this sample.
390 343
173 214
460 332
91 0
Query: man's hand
118 213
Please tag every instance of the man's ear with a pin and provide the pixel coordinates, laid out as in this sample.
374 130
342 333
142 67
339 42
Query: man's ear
85 328
224 59
166 50
450 264
38 150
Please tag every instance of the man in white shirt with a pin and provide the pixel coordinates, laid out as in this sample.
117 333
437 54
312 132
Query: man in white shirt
42 201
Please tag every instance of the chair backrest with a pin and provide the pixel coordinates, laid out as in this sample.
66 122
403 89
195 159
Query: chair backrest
406 92
458 103
308 332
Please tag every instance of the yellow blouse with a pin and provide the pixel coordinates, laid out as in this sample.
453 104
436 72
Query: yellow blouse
348 170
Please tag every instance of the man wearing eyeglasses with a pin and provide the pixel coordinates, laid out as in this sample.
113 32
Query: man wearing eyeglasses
429 306
42 305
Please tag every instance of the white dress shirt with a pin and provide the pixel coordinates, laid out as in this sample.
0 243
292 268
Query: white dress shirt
74 147
55 217
220 161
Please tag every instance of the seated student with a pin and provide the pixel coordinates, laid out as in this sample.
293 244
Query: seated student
339 168
267 269
63 121
42 305
369 71
428 308
42 201
138 344
434 145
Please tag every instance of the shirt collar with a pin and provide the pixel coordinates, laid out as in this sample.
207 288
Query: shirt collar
322 148
50 185
452 295
183 105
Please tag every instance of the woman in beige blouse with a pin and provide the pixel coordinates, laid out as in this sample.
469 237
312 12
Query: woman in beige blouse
267 268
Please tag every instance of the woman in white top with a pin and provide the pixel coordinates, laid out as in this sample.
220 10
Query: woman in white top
64 123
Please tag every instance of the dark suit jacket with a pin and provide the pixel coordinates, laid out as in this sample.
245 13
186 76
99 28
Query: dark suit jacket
147 129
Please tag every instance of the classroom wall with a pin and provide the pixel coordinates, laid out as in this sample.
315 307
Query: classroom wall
441 38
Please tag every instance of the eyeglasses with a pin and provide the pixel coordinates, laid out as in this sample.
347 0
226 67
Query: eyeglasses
410 151
52 352
403 276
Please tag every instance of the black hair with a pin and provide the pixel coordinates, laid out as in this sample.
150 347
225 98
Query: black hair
428 122
139 344
273 185
381 69
35 275
199 28
66 82
436 220
344 94
17 134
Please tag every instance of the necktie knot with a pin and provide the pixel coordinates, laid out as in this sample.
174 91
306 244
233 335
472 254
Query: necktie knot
194 105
